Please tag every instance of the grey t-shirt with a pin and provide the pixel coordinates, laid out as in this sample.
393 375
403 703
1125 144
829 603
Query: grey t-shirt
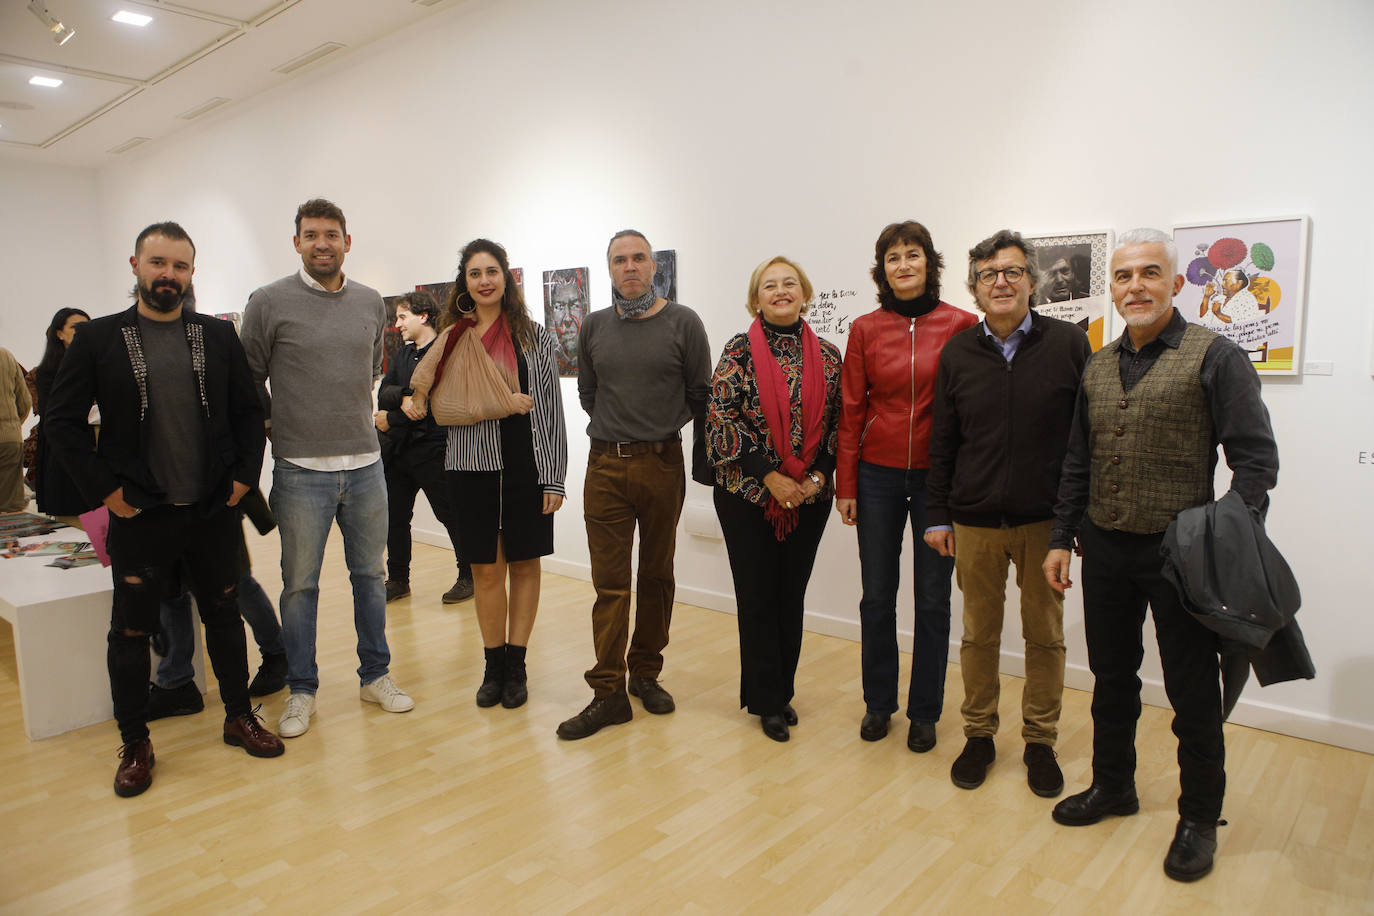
176 431
642 379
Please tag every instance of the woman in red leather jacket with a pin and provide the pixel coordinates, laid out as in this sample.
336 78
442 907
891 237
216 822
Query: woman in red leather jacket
888 382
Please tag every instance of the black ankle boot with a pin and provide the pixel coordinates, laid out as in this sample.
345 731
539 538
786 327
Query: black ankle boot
489 694
514 692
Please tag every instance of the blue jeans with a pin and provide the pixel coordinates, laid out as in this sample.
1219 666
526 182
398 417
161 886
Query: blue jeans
887 497
176 668
306 503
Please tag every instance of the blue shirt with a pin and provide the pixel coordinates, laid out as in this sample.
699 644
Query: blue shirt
1013 340
1008 348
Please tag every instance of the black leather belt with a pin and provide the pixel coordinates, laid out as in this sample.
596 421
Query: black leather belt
630 449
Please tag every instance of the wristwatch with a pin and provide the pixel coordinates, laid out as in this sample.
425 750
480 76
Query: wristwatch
816 479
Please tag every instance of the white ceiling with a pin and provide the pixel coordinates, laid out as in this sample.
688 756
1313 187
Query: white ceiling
121 82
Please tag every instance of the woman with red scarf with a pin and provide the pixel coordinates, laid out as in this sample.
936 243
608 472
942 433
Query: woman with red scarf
771 427
505 475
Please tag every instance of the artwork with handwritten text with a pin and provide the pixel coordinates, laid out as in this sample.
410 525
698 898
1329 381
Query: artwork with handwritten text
1247 281
833 310
1073 280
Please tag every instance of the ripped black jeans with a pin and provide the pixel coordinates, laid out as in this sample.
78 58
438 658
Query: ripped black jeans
144 554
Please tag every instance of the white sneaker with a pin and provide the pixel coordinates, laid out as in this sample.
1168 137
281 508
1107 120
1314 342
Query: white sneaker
387 695
295 719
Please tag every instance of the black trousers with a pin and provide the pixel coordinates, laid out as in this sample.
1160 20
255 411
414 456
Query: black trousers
770 595
1121 574
417 467
144 553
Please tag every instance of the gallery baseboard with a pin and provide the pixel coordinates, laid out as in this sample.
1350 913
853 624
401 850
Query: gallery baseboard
1250 711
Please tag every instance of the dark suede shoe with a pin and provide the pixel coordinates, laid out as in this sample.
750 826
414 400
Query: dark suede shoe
600 712
971 766
396 589
921 736
493 678
1091 806
271 676
775 727
655 699
1190 854
462 590
874 726
135 773
248 733
177 701
789 715
1042 772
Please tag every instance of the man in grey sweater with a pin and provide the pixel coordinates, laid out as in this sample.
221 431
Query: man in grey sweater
318 336
643 369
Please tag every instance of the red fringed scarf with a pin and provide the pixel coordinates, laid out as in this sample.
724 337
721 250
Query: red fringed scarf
499 346
776 401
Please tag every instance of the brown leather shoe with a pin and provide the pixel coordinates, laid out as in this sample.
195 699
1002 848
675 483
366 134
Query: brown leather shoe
613 709
135 773
248 733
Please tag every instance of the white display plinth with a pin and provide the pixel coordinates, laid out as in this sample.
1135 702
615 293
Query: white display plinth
60 619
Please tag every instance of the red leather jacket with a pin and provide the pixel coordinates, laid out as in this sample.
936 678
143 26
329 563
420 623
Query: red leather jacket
888 383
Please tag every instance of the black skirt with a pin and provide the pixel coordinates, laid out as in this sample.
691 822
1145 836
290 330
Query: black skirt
508 503
502 504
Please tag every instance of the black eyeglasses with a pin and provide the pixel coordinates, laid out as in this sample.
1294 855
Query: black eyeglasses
989 277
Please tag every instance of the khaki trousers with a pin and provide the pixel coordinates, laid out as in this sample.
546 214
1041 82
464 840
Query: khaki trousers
980 568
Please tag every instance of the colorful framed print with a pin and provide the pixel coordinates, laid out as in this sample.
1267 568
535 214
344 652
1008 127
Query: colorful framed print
1247 280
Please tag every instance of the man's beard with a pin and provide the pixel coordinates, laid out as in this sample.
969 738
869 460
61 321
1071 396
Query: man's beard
165 296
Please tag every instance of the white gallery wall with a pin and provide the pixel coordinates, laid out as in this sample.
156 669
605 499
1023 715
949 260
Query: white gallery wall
51 251
732 131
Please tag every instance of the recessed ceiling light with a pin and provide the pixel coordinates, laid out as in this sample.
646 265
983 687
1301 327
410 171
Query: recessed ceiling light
129 18
127 145
47 81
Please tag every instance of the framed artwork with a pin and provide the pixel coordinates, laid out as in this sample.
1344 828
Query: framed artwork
440 292
665 274
391 335
1247 280
1073 280
566 302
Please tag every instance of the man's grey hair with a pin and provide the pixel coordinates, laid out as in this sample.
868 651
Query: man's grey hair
624 233
1150 237
987 249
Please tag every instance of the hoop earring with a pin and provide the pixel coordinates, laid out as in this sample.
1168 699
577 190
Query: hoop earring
465 309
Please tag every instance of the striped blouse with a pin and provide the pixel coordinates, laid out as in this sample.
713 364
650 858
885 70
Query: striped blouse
478 447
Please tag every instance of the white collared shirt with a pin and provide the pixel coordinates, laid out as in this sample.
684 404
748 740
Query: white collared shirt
316 285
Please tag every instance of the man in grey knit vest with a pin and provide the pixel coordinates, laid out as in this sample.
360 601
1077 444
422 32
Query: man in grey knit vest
643 369
1151 411
318 337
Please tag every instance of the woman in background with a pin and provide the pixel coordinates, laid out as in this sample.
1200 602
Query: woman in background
506 474
771 426
54 490
880 477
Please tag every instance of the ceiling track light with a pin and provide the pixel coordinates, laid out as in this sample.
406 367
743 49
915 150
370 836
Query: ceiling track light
60 33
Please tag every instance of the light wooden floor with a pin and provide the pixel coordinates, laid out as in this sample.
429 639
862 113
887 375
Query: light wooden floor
451 808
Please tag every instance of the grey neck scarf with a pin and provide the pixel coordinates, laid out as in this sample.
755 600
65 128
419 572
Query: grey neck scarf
632 308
